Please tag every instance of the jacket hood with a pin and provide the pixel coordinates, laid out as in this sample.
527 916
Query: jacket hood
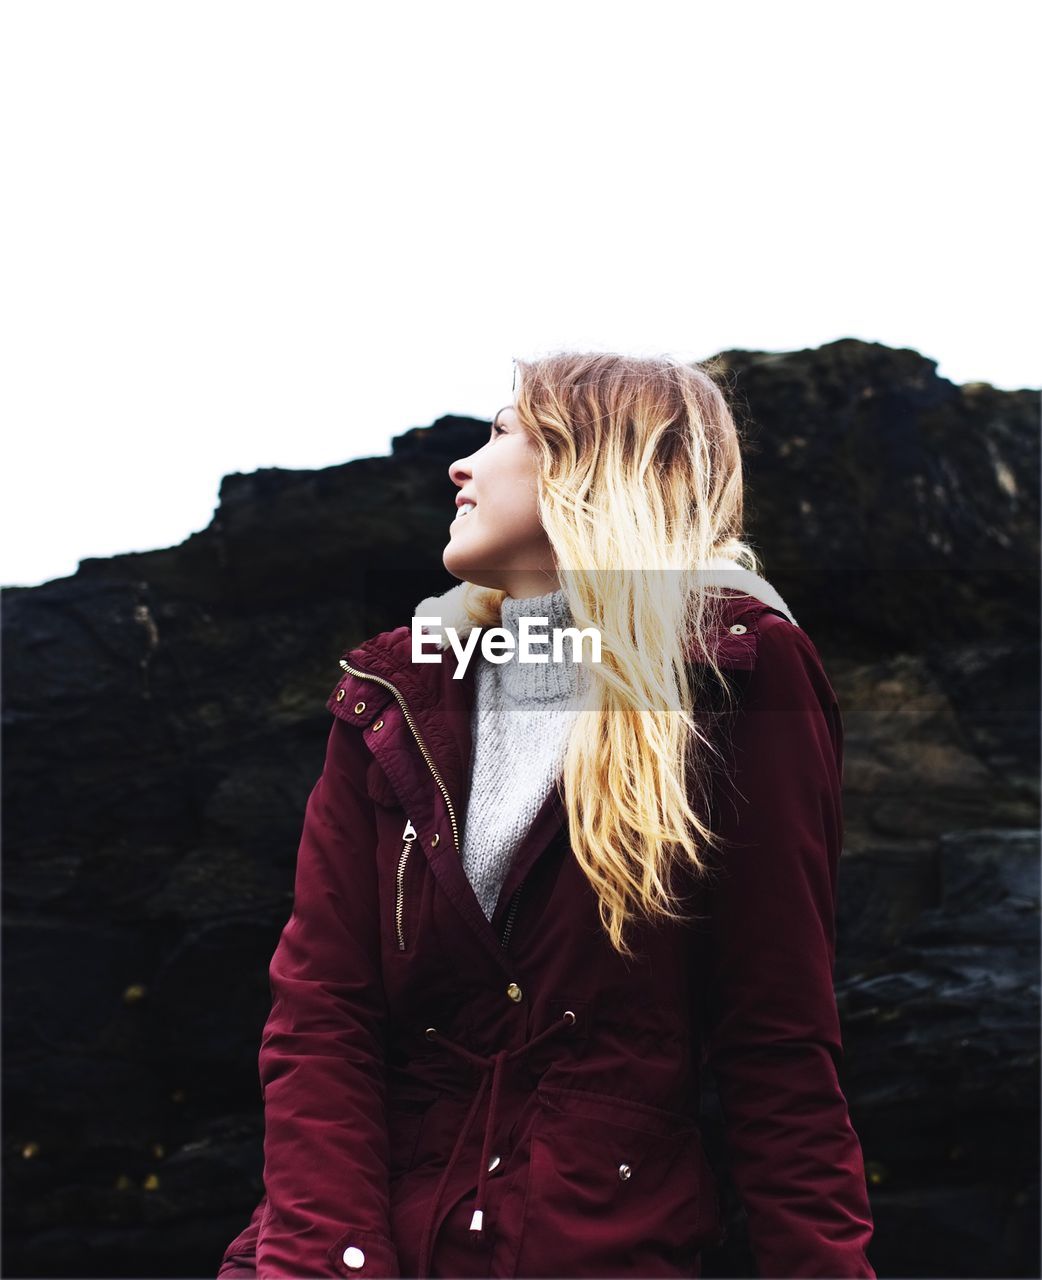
720 572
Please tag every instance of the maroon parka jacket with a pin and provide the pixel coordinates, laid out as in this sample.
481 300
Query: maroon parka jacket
425 1071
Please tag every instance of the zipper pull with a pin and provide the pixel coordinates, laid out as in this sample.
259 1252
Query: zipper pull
410 831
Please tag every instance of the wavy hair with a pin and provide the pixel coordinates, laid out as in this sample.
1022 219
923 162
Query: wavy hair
640 487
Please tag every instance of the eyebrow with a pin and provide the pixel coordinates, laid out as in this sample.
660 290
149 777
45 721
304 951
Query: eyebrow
498 412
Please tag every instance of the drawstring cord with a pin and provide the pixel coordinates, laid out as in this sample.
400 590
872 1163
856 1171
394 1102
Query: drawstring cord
482 1062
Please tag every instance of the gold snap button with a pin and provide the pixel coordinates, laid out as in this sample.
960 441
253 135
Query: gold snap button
431 1032
514 992
493 1164
359 706
624 1172
378 725
568 1016
340 695
738 629
434 841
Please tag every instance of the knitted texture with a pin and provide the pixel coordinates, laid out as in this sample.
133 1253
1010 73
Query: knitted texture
520 723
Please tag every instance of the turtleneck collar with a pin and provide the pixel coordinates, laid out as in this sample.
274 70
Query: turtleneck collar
552 605
538 681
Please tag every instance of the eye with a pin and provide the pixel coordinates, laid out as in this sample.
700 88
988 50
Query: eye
497 430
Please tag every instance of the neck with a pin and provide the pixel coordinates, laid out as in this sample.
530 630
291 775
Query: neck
525 584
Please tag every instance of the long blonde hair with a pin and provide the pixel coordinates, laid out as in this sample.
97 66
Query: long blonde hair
640 486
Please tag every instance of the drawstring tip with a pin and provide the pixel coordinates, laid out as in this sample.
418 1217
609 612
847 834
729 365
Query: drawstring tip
476 1220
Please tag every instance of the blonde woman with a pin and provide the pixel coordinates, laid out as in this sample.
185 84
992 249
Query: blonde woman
534 898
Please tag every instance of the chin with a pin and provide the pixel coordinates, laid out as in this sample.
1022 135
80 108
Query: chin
454 562
459 560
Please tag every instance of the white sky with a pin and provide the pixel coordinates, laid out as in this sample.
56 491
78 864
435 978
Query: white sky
238 235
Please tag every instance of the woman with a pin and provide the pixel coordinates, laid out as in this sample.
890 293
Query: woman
531 902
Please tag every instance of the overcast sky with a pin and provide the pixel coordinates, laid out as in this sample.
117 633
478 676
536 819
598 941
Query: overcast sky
241 235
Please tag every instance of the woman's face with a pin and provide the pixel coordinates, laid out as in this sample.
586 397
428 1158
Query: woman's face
500 543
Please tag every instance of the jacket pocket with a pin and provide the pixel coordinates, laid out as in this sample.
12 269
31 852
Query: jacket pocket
615 1188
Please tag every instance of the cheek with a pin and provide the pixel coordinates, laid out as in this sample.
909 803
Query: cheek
514 489
524 509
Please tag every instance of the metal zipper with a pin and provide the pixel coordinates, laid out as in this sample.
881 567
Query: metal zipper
365 675
408 836
511 913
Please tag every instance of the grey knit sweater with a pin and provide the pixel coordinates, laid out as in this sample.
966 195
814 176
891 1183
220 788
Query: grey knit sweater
520 723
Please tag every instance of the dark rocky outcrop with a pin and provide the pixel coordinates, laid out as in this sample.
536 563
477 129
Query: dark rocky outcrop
164 721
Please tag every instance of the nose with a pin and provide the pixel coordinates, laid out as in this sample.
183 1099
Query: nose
460 472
